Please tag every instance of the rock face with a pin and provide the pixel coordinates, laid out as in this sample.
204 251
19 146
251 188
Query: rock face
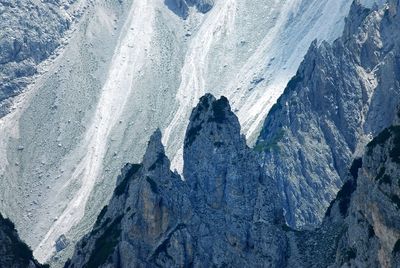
145 221
342 95
220 217
30 32
181 7
14 252
362 225
226 213
227 185
372 238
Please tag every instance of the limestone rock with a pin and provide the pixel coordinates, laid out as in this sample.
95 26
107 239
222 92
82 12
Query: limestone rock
342 95
30 32
225 216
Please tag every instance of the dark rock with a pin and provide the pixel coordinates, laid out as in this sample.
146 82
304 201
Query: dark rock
14 252
342 94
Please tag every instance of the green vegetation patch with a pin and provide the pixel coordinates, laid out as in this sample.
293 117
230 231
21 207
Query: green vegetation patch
272 144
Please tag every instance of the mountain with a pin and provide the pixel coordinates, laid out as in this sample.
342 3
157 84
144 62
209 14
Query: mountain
343 94
361 227
108 73
225 212
14 252
225 209
222 214
30 33
372 237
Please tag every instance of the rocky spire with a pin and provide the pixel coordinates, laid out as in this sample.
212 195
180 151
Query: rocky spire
218 166
154 157
222 215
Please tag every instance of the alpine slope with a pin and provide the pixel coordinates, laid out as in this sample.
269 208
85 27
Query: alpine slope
126 68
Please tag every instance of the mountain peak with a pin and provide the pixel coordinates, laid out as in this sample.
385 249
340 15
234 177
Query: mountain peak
209 118
155 153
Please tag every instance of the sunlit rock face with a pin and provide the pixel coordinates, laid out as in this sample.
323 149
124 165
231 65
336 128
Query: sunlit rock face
226 217
119 70
343 94
361 227
30 33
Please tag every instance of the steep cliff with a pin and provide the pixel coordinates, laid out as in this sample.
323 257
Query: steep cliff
123 69
223 214
361 227
342 95
372 237
227 213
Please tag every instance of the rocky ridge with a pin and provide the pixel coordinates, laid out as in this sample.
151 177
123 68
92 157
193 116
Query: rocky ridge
361 227
372 201
225 211
155 218
342 95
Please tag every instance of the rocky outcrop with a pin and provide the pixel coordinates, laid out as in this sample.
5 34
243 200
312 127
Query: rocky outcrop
14 252
361 227
342 95
30 32
228 186
181 7
220 215
145 221
372 237
225 212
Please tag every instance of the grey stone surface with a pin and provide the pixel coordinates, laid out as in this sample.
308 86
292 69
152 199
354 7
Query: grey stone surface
342 95
372 238
225 212
30 32
181 7
225 216
362 225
